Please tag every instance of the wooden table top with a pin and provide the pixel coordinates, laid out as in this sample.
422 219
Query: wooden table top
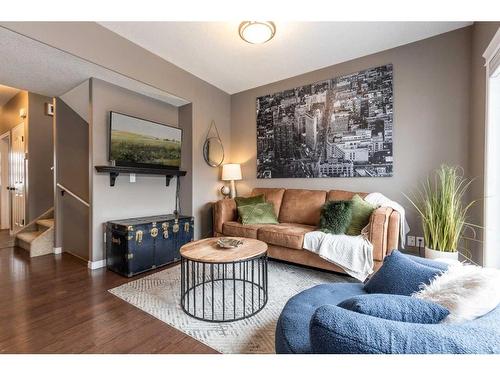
208 251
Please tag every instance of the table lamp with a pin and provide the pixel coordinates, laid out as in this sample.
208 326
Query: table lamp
231 172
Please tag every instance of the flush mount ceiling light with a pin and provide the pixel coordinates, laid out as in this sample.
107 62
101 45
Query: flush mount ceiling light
257 32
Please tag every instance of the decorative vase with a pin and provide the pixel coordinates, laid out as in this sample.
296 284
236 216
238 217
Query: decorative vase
436 254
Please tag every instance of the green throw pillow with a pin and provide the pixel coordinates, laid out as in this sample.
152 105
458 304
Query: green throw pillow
335 217
361 212
244 201
260 213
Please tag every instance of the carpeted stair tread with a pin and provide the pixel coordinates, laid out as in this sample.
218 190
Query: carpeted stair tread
28 237
47 223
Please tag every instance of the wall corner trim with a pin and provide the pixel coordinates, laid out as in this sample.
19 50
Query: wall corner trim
97 264
57 250
493 48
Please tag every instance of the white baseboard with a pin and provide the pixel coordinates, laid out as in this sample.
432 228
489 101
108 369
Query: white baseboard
97 264
57 250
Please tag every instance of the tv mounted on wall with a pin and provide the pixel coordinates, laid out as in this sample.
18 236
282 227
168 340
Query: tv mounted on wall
135 142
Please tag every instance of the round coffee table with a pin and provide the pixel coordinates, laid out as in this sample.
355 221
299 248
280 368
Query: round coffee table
223 285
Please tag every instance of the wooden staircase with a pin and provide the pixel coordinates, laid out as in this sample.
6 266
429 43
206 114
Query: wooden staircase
38 236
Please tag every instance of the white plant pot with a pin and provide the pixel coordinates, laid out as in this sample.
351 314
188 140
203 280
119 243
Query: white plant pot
436 254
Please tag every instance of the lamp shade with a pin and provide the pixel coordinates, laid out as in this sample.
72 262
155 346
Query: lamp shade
231 172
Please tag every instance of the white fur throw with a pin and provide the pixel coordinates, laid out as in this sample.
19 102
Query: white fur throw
467 291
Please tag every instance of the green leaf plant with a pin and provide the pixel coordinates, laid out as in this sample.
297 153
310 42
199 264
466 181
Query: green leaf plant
440 203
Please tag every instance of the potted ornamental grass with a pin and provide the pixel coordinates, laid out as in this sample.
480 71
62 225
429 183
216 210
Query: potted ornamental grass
440 203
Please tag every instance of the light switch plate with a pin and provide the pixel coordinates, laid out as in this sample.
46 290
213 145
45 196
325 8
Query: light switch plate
411 241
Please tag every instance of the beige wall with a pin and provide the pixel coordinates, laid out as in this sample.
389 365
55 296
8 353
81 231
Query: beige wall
431 117
117 53
10 111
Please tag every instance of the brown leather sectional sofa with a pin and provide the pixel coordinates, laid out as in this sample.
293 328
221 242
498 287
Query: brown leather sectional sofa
298 212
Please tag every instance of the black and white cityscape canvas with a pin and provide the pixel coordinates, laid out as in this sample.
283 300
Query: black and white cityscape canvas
341 127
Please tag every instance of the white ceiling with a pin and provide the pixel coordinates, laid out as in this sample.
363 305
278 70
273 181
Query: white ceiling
33 66
214 52
6 93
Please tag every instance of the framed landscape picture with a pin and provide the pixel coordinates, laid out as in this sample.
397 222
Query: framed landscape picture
340 127
142 143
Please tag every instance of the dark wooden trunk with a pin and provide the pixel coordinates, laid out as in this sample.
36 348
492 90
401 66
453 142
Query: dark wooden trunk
141 244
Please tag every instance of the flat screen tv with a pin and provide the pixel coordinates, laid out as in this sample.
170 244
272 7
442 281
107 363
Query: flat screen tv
135 142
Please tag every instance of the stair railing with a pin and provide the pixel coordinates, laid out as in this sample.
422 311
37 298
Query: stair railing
66 190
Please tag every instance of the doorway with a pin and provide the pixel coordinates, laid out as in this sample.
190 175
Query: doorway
4 181
17 173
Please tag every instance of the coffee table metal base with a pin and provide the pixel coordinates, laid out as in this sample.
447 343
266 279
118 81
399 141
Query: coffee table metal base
224 292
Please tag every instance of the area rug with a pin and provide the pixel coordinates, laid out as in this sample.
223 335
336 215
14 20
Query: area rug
159 294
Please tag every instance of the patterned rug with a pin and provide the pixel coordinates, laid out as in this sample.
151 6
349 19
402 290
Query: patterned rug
159 294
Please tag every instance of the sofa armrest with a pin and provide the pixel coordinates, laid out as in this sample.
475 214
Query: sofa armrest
224 210
393 232
378 230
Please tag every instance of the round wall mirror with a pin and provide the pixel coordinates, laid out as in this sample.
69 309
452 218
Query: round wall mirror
213 151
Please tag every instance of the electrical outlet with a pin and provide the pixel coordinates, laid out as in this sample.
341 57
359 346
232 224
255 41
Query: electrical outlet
132 177
410 241
420 241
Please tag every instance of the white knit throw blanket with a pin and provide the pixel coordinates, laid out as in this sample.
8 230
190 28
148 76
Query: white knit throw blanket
354 254
380 200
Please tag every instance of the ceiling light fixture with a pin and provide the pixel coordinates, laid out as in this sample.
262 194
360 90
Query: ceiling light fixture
257 32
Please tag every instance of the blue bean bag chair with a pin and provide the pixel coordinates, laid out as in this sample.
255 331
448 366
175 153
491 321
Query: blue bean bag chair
311 321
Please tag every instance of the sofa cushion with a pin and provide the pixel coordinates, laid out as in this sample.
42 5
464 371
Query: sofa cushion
245 201
236 229
272 195
343 195
395 307
400 275
285 234
302 206
260 213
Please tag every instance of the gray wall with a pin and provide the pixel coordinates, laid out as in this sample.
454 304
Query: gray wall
431 117
117 53
148 195
439 92
482 34
40 157
72 171
186 192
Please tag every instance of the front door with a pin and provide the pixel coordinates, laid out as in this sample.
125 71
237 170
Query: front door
17 177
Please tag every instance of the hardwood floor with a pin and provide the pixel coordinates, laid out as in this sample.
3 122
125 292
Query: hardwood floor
55 304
